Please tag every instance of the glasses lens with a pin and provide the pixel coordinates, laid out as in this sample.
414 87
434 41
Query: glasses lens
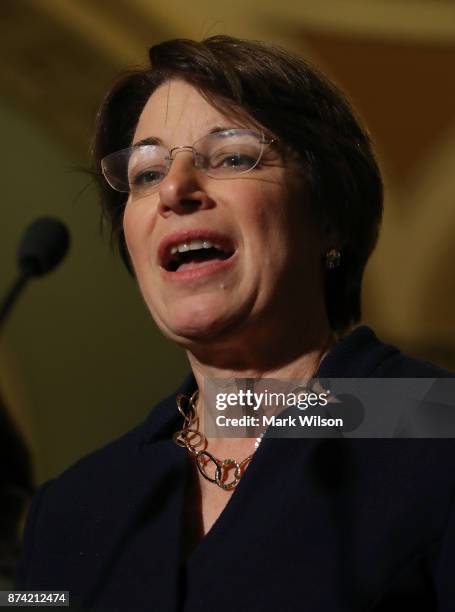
231 152
147 166
141 169
137 169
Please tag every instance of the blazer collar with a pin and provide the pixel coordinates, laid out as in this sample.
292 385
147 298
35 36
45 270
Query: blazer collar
357 355
165 418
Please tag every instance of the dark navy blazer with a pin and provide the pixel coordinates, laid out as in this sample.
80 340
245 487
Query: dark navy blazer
320 525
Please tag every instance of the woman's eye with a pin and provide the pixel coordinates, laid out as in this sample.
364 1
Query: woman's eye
146 177
235 160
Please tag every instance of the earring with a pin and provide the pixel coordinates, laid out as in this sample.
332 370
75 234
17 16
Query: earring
332 259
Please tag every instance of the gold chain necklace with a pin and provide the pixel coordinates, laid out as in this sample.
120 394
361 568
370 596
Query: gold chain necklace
185 438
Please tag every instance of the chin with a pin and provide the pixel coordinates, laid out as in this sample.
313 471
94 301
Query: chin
194 323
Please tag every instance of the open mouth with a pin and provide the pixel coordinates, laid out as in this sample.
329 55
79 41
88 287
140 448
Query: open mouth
195 252
189 259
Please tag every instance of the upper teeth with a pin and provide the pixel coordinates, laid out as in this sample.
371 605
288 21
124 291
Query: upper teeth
193 246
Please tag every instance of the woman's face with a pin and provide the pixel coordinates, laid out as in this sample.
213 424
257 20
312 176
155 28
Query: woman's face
274 274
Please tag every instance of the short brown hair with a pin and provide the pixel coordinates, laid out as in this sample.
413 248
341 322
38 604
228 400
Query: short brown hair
290 98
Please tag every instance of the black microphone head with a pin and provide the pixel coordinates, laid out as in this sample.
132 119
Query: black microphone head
43 246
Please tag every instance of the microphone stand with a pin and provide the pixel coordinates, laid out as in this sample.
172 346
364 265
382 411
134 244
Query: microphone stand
12 295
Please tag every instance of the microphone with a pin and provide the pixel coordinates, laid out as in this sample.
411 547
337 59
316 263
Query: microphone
43 246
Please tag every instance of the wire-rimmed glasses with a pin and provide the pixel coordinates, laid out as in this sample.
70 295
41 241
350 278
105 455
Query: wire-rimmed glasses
223 154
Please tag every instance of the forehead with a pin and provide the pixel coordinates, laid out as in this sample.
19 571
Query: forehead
176 111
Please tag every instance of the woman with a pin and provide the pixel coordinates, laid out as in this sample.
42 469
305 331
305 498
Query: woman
246 200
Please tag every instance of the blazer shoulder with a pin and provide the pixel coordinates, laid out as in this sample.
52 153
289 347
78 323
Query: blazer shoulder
81 508
111 463
401 365
104 459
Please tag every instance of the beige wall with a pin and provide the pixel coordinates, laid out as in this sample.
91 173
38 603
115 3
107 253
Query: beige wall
80 360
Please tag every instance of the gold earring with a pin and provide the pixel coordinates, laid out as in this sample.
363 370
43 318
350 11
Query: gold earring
332 259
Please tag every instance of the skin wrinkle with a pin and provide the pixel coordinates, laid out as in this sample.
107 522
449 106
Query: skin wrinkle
167 102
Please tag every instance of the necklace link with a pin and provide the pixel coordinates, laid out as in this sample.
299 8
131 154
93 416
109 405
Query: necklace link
183 438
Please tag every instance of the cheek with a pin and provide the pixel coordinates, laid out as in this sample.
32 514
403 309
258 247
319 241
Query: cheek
270 219
134 227
266 244
263 214
286 239
129 224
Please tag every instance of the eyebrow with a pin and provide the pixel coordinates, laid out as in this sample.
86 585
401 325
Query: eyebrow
151 140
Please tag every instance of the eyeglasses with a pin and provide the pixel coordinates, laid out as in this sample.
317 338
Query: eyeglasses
140 169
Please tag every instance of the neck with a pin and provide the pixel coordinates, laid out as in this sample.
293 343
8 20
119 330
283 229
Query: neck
279 360
297 367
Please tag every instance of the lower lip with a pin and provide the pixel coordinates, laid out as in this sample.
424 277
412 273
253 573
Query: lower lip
213 267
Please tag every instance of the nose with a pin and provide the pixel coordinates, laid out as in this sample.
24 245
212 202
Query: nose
182 190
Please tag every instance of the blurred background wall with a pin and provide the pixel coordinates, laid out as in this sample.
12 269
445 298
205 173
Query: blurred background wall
80 359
